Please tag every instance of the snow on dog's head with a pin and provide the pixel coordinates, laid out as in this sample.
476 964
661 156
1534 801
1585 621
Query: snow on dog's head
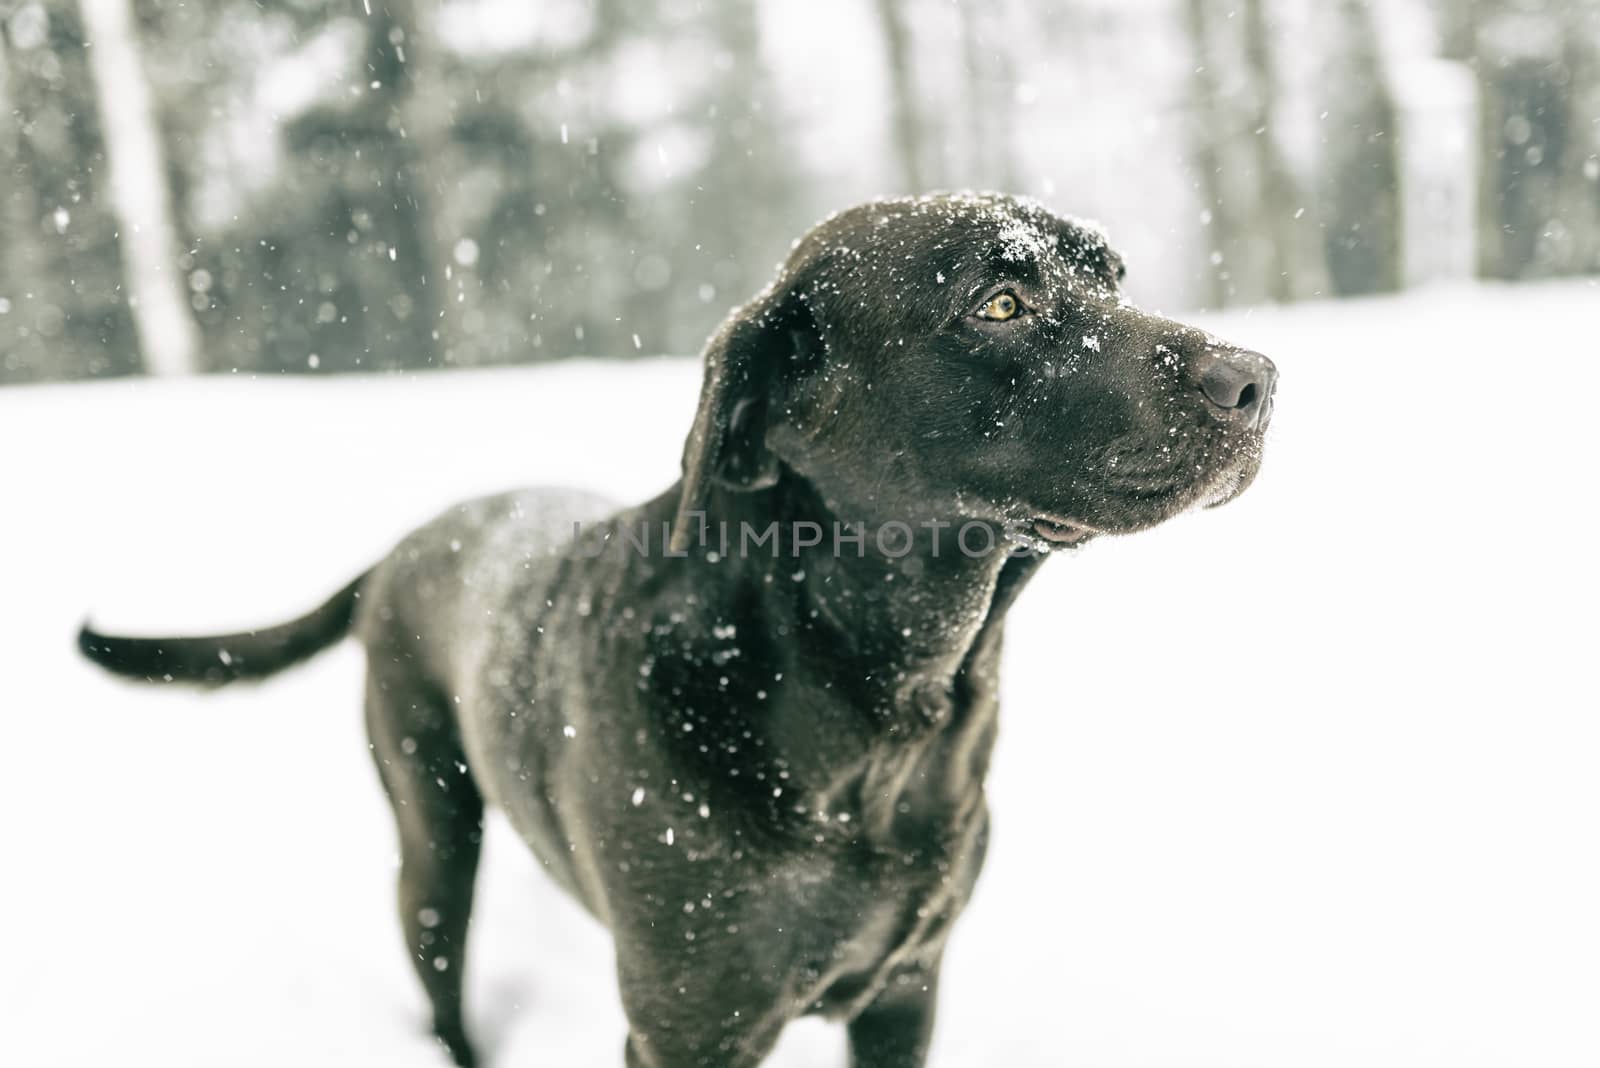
975 352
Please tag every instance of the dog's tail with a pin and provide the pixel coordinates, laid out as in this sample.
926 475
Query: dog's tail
225 658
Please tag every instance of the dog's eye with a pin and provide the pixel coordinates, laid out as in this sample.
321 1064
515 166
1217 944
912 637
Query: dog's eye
1001 306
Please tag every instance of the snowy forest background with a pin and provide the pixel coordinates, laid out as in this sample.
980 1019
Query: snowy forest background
1370 843
337 185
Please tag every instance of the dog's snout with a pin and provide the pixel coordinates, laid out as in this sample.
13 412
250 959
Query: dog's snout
1238 381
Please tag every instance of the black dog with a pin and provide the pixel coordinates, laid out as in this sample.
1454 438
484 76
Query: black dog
755 750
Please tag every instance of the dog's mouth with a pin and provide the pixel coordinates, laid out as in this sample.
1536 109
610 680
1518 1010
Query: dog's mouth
1133 503
1062 531
1231 482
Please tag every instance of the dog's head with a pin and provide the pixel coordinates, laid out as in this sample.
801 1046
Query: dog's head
971 357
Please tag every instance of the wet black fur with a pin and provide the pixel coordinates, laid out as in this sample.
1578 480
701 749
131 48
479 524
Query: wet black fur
765 775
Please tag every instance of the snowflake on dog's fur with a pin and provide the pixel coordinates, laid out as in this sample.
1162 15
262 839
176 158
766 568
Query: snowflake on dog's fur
1021 240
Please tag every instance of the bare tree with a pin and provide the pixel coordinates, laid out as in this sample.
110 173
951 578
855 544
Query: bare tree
1361 171
65 309
988 103
1244 181
1539 82
907 122
1206 121
1579 198
1276 203
168 337
398 139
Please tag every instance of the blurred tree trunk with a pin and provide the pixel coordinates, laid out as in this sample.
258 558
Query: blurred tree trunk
1523 135
365 250
1579 198
988 119
15 193
906 121
1538 69
1209 137
8 121
1361 172
403 138
158 296
65 314
1244 182
1277 201
1458 28
17 208
747 169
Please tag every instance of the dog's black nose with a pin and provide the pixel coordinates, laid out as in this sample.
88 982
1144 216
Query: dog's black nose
1239 382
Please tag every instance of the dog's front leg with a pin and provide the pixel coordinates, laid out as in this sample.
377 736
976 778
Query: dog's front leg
896 1029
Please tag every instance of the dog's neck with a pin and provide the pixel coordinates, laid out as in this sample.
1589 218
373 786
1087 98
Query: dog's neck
903 629
908 595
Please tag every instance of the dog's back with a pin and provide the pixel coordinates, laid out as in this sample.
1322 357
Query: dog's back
451 578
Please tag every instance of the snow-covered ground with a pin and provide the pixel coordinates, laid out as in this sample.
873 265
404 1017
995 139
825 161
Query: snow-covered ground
1311 780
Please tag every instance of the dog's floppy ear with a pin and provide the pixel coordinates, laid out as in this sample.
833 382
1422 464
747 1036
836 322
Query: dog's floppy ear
745 360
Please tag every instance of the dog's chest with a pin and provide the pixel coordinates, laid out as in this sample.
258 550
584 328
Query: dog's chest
885 912
916 823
